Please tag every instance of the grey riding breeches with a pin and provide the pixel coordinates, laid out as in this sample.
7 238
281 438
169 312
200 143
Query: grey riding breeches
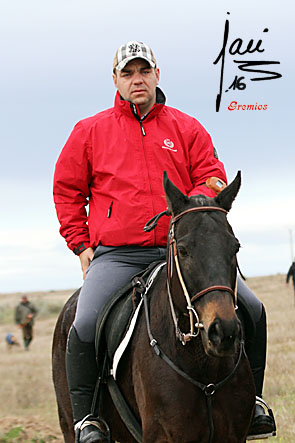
110 269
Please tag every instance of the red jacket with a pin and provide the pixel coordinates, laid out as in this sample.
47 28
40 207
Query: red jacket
116 161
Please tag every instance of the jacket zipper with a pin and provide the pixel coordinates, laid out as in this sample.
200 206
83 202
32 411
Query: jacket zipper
140 120
142 128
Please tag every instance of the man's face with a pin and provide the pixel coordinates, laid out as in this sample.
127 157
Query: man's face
137 83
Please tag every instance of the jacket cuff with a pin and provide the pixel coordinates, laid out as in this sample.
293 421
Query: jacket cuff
79 249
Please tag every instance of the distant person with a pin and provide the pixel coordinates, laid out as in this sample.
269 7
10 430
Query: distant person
291 273
25 313
11 341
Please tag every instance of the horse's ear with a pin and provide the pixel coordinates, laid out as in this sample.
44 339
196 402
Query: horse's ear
174 197
227 196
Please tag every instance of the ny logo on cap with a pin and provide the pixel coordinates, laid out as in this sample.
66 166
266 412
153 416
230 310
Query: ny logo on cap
134 48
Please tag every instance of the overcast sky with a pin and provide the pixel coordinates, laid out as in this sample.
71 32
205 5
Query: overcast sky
56 69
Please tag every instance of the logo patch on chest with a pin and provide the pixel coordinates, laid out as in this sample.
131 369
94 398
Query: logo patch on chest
168 144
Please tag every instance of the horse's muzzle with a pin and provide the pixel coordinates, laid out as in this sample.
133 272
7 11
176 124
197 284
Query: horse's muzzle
223 337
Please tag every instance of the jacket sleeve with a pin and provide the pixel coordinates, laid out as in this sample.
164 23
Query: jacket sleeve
33 309
71 189
204 162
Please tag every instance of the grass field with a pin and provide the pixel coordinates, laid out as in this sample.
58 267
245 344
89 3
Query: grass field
28 411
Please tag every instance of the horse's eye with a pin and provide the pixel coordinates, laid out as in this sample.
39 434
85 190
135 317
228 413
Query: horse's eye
182 251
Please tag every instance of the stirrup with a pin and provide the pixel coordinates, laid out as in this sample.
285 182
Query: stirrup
97 422
266 408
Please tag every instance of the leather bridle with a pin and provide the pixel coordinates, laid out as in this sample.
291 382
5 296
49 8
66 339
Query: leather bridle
173 259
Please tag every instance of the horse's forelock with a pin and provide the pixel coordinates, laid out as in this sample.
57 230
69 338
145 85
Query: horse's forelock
201 200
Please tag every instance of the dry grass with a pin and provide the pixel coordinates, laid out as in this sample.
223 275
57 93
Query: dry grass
27 401
279 388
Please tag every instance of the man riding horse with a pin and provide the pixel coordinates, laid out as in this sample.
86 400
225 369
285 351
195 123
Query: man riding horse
114 161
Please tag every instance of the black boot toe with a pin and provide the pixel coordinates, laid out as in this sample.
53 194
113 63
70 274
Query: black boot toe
263 425
93 430
91 434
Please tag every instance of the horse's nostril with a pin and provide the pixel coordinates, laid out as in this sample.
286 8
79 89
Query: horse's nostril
215 333
223 332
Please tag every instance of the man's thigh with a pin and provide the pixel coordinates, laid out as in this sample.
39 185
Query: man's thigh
111 269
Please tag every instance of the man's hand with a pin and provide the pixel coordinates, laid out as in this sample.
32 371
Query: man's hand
85 259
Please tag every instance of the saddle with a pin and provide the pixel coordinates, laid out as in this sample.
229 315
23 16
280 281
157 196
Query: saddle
115 317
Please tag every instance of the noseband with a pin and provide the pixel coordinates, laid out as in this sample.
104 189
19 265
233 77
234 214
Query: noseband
173 258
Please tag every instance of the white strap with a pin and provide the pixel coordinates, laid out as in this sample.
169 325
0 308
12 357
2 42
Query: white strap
188 300
123 345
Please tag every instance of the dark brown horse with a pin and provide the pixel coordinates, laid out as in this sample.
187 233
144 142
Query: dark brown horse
184 374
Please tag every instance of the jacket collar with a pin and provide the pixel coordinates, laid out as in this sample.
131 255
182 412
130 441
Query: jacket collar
130 109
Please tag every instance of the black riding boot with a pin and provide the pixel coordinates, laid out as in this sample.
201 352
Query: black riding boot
82 373
263 424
